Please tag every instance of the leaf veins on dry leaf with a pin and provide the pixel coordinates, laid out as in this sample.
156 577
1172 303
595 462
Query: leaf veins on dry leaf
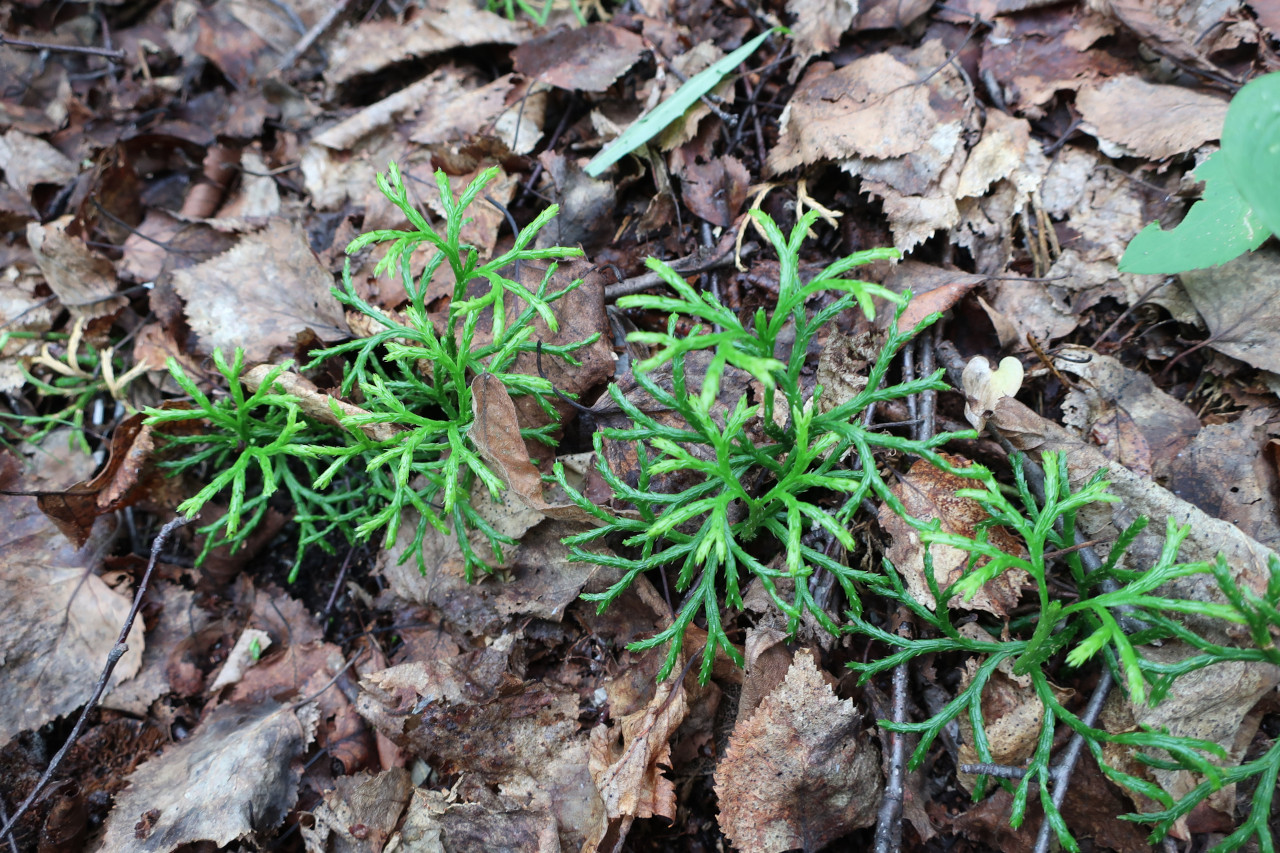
929 493
800 771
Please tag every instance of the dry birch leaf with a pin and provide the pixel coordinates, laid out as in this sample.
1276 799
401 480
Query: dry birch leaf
799 772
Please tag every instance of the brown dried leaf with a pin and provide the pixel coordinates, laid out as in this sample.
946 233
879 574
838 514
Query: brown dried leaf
1022 308
1136 423
496 433
588 59
1223 472
799 772
84 282
491 109
889 14
999 153
261 294
237 774
928 493
1173 30
817 28
869 108
21 310
359 814
128 477
435 822
843 366
933 289
716 190
1239 303
628 760
445 24
767 662
1142 119
1034 55
919 187
62 618
180 620
27 161
474 714
163 243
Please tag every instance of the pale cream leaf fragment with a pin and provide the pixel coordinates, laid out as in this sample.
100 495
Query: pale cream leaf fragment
983 387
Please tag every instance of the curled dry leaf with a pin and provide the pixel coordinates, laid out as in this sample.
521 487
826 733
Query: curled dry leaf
927 493
627 761
83 281
799 772
983 387
933 289
314 403
496 433
129 474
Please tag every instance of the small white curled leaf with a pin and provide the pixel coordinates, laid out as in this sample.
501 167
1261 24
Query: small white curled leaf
984 387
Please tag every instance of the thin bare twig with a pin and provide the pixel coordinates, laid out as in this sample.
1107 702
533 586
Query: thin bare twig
4 816
117 652
700 261
888 838
308 39
113 55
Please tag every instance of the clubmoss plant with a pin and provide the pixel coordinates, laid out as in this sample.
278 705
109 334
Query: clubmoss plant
791 481
342 480
762 480
1073 634
765 476
67 387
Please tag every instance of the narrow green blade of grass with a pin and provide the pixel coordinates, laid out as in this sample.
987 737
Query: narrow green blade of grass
653 122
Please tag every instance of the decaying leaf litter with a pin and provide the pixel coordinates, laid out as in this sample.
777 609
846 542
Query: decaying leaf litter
190 185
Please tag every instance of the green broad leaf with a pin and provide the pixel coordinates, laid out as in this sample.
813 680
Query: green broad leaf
1219 227
656 120
1251 147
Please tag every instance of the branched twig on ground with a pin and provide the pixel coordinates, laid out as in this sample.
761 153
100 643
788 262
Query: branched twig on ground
888 837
